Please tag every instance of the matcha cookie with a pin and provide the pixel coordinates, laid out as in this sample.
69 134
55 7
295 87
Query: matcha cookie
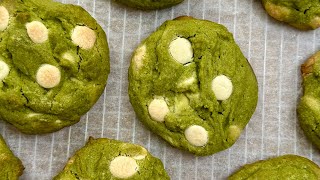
10 166
284 167
54 64
302 14
149 4
309 106
110 159
191 85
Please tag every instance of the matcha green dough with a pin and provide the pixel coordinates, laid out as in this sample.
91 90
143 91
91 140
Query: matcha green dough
54 64
107 159
287 167
10 166
309 106
302 14
149 4
190 84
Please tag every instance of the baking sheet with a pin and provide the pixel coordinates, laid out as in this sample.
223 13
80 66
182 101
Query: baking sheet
274 50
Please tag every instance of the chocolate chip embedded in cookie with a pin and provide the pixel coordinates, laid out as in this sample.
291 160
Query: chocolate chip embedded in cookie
54 64
191 85
302 14
110 159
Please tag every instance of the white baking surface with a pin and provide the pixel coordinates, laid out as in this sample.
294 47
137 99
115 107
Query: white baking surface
274 50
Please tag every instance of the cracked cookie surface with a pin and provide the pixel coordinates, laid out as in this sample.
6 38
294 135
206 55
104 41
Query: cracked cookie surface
149 4
111 159
10 166
282 167
302 14
54 64
309 105
191 85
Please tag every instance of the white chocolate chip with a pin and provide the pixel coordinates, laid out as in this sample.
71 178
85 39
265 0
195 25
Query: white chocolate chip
58 121
48 76
312 103
84 37
139 56
187 82
68 56
4 70
222 87
158 109
181 50
141 155
181 104
37 31
123 167
30 115
4 18
188 64
234 132
315 22
196 135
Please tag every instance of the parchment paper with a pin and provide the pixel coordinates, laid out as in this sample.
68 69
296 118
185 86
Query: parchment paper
274 50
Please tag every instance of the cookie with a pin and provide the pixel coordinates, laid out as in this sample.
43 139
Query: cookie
190 84
111 159
149 4
10 166
308 108
283 167
304 15
54 64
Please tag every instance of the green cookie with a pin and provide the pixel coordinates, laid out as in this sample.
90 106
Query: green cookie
287 167
302 14
107 159
191 85
149 4
10 166
309 106
54 64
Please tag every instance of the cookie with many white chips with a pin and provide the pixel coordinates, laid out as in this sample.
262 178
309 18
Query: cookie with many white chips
54 64
191 85
110 159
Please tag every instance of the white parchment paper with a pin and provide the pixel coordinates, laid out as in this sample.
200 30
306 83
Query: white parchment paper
274 50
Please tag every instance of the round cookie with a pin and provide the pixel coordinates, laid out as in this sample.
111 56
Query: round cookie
191 85
110 159
283 167
302 14
10 166
54 64
149 4
308 108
